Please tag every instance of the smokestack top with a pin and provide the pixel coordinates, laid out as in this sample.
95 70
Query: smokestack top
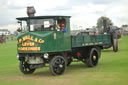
31 11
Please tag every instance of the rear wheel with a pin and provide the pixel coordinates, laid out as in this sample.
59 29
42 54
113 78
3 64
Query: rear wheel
92 57
24 68
115 42
57 65
115 45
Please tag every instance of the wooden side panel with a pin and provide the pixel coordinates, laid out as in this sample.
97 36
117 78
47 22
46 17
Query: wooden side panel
90 40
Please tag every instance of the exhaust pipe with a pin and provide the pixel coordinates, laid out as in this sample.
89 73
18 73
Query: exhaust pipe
31 11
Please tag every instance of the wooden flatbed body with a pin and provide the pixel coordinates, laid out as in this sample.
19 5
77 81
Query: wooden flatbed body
90 40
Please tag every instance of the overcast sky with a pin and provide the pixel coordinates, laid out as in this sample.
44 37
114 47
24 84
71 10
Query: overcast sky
84 12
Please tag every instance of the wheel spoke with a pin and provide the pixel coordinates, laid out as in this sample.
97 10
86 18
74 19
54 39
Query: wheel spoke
59 61
56 62
62 62
55 65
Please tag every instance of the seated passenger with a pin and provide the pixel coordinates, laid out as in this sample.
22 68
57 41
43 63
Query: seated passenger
58 27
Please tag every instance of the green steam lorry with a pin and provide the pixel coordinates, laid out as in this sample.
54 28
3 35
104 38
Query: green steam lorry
41 41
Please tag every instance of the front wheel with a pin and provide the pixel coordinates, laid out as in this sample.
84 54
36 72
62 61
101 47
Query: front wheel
92 58
24 68
57 65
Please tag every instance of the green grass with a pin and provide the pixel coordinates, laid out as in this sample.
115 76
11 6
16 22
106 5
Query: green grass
111 70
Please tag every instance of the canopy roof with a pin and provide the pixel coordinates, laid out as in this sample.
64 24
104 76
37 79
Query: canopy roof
42 17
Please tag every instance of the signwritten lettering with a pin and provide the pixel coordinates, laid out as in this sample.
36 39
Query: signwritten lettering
30 41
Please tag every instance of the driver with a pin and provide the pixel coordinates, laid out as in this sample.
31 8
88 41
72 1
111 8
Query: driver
62 28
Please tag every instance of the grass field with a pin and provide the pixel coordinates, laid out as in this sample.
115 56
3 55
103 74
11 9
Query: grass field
111 70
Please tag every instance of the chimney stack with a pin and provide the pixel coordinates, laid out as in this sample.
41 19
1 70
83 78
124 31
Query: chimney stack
31 11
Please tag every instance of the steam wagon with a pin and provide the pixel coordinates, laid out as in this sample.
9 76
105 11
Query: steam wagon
48 40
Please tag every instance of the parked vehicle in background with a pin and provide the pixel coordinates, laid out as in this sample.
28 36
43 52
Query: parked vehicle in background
2 39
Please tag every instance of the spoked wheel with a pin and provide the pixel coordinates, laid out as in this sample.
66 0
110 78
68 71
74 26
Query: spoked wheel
92 58
57 65
24 68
